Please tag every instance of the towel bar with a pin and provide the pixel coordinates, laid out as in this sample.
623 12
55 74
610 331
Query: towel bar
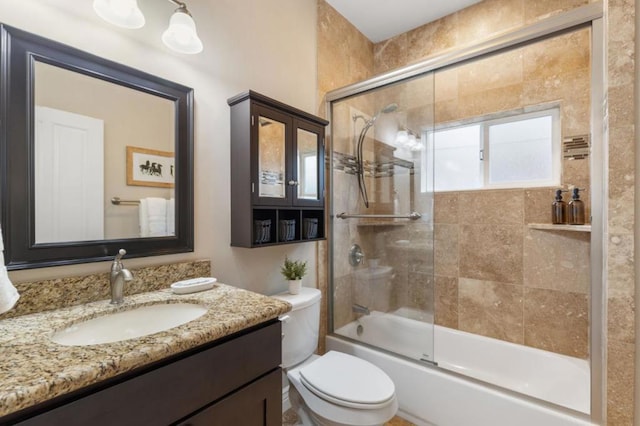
118 202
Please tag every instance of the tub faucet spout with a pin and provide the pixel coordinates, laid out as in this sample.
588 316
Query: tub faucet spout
117 278
359 309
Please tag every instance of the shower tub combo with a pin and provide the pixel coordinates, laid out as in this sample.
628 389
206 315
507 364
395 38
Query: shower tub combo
430 396
424 159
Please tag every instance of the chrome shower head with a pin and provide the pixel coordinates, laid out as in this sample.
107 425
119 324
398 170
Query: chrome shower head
389 108
385 110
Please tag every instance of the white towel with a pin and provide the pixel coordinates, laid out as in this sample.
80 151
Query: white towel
143 219
8 293
153 217
171 216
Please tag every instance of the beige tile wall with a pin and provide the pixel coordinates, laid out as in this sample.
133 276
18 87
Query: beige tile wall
345 56
620 15
480 21
514 283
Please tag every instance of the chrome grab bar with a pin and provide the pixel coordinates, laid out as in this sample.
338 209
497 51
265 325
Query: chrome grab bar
412 216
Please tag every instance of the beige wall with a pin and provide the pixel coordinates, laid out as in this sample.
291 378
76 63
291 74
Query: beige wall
130 117
264 46
492 17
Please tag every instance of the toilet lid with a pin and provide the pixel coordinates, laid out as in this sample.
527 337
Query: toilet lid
352 382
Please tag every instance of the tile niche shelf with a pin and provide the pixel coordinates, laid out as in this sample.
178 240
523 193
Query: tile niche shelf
563 227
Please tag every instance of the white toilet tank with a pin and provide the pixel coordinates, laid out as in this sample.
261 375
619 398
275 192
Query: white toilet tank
300 330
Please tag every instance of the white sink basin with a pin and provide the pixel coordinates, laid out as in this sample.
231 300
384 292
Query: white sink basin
130 324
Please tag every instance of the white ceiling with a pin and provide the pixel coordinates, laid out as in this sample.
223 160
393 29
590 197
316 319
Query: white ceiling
383 19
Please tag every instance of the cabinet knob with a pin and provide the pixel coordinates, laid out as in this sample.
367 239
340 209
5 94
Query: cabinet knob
293 183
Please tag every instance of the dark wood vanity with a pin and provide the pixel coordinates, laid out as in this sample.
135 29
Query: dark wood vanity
277 172
235 380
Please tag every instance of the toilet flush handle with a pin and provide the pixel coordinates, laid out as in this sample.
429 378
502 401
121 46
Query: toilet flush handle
284 318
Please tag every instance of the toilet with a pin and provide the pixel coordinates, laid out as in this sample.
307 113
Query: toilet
335 388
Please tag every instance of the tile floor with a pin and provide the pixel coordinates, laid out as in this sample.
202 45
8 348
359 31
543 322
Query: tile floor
290 418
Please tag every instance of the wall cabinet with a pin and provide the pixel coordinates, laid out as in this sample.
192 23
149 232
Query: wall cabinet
277 172
236 381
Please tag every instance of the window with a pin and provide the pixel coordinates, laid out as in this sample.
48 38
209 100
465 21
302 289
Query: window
522 150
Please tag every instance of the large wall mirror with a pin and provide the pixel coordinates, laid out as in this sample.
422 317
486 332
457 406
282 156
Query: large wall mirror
95 156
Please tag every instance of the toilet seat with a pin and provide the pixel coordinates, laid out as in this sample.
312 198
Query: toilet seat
325 411
354 383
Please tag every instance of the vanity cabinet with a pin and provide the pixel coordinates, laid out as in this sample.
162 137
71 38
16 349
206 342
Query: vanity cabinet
236 380
277 172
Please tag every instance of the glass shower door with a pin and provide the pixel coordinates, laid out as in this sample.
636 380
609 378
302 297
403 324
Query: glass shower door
382 221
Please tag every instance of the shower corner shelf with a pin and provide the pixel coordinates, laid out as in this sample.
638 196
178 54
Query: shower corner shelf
552 227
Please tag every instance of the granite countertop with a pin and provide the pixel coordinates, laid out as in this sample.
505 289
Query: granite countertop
34 369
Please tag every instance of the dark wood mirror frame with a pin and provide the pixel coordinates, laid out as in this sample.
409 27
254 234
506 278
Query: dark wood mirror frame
19 50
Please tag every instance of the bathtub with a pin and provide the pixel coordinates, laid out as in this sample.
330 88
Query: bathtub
431 395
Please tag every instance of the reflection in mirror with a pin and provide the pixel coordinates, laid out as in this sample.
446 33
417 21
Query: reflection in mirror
307 143
83 126
271 157
78 131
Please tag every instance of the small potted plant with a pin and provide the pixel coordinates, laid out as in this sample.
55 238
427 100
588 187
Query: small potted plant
293 271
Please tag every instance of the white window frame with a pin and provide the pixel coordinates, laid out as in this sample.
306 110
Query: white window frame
484 154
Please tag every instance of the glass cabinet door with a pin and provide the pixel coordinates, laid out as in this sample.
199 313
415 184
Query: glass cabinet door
309 165
271 158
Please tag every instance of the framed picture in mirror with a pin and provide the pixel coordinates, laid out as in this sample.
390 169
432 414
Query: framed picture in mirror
150 167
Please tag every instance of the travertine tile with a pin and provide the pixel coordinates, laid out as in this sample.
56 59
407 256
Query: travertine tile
341 247
446 302
540 9
537 204
557 321
490 101
490 73
432 38
342 300
400 284
500 207
445 207
577 173
620 61
421 291
621 206
557 55
339 39
621 319
390 54
491 309
398 421
620 372
491 252
488 18
621 111
557 260
446 250
620 274
446 111
322 278
570 90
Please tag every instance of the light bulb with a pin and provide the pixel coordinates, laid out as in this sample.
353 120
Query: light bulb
122 13
181 35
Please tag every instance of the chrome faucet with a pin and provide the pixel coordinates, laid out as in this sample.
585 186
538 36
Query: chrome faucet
118 276
359 309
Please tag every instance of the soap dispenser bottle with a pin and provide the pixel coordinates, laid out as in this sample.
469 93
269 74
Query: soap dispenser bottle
559 209
576 208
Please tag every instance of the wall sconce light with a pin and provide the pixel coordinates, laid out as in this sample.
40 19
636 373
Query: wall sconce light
407 139
181 35
122 13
